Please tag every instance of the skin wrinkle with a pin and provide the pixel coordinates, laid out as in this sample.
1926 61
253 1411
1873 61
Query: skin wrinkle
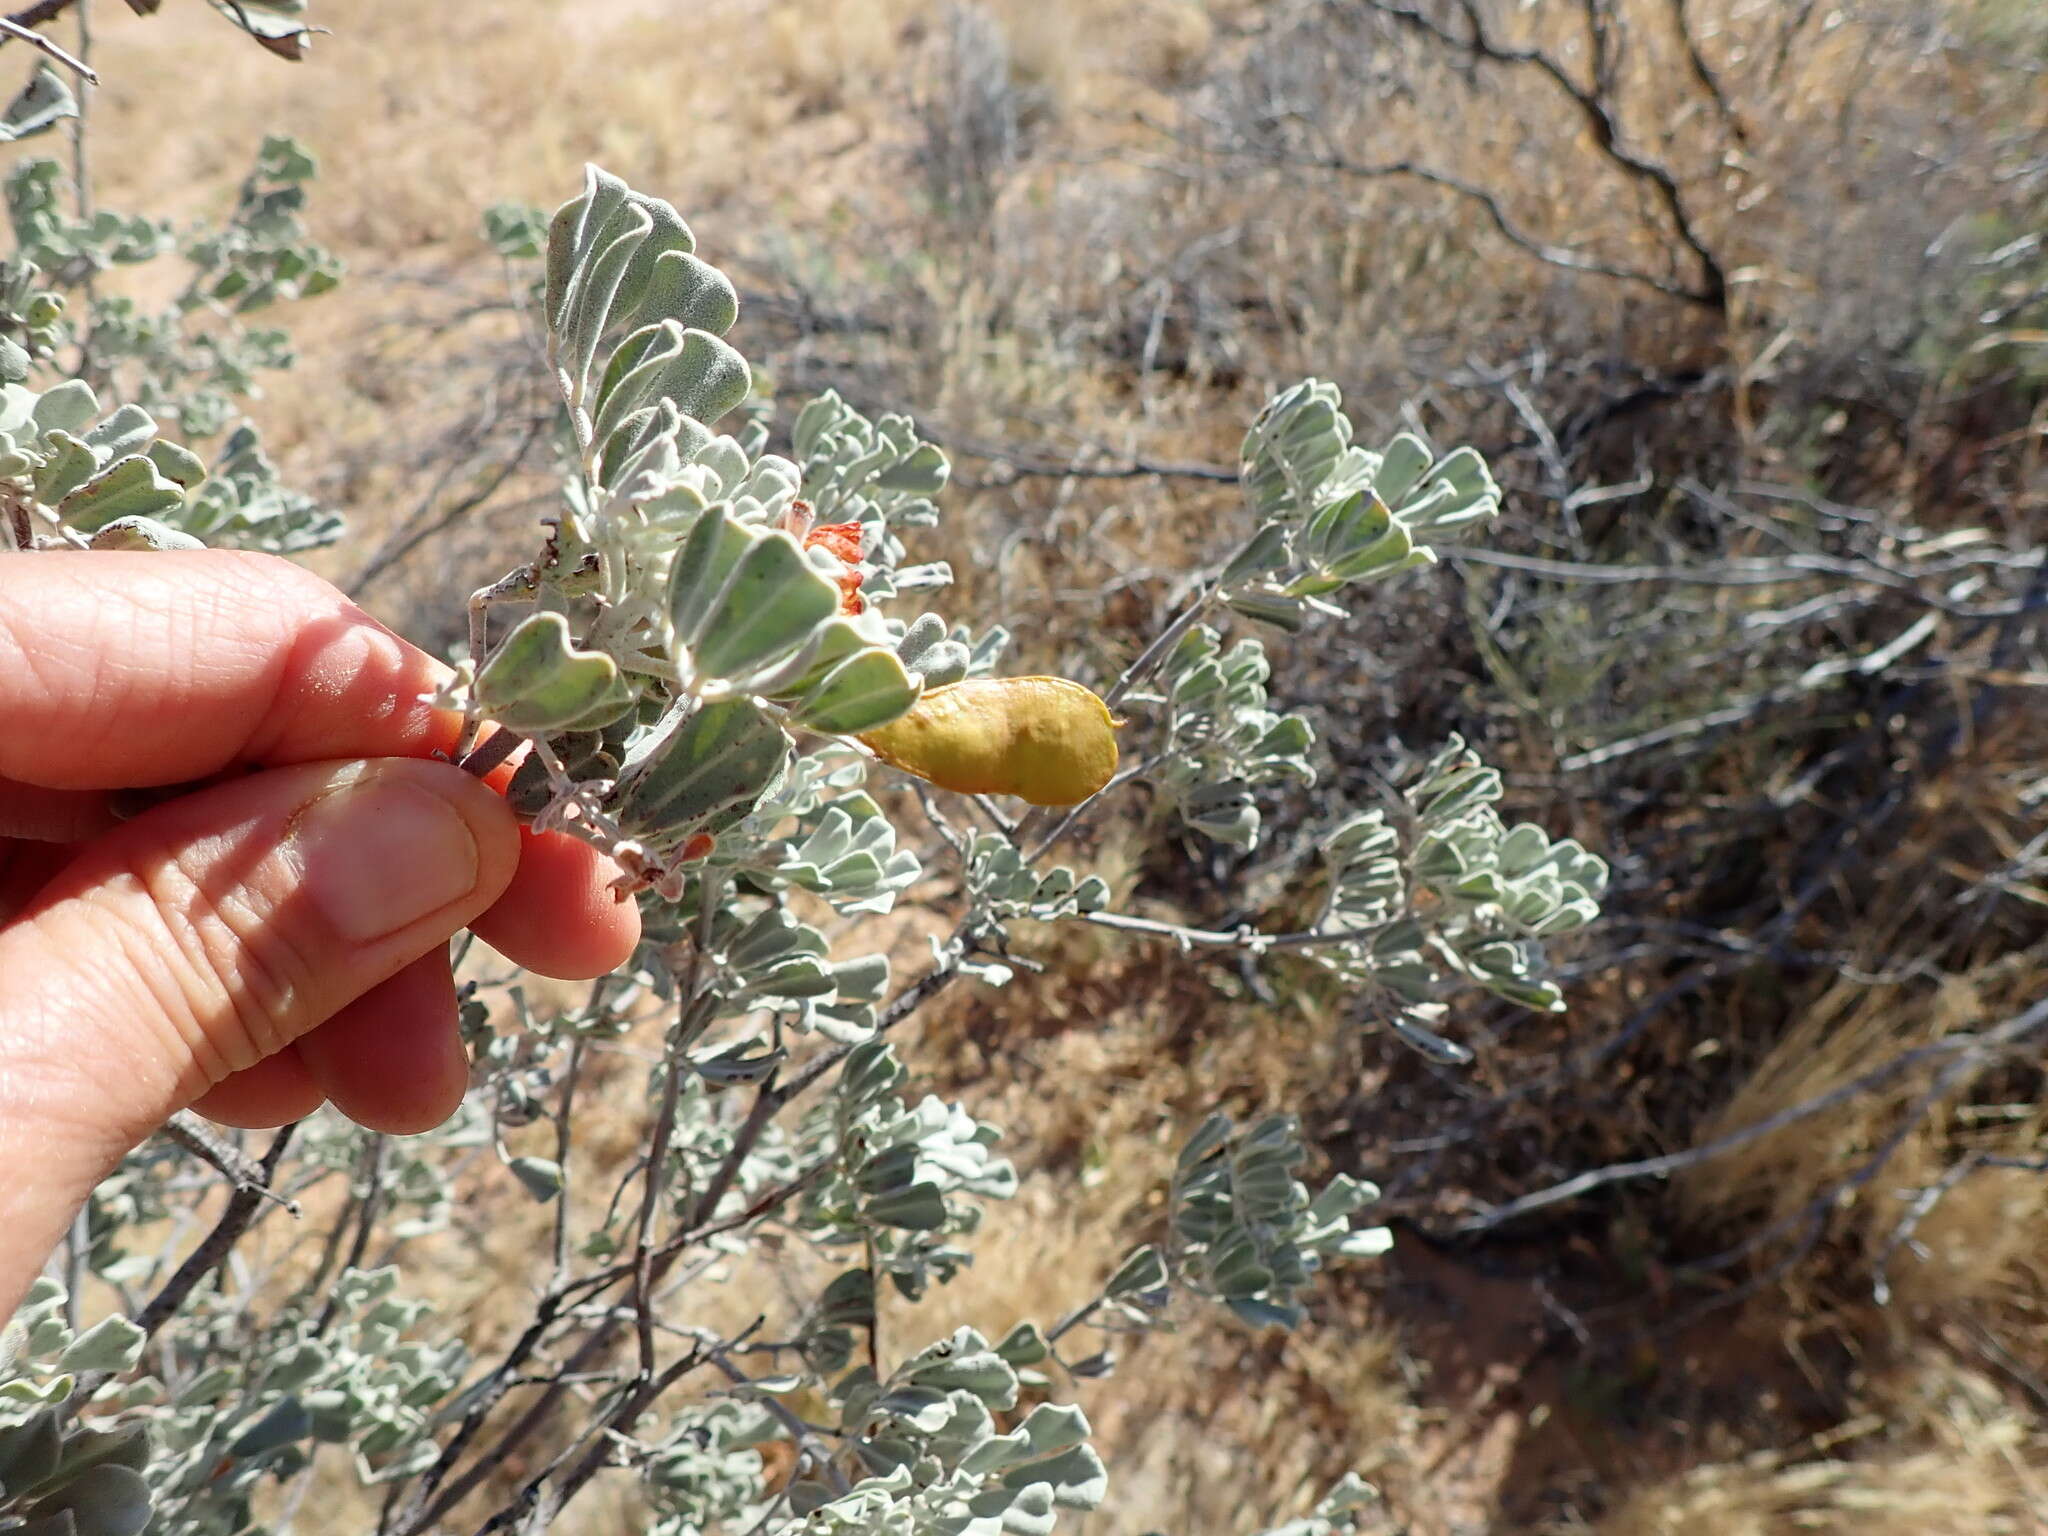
103 989
168 975
237 943
55 1092
281 668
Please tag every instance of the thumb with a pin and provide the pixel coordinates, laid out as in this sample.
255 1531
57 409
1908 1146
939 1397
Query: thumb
212 931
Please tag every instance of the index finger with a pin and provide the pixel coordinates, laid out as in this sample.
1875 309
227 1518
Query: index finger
122 670
125 670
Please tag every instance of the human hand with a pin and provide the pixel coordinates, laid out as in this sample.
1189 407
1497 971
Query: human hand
262 944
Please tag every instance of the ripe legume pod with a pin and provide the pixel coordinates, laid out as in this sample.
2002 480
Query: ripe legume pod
1044 739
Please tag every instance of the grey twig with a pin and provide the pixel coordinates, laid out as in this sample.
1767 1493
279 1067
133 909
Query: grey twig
13 26
188 1131
1975 1047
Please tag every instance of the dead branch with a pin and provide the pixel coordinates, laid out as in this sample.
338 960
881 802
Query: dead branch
1595 108
1974 1049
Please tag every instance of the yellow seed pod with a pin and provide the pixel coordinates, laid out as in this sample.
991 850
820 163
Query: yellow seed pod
1043 739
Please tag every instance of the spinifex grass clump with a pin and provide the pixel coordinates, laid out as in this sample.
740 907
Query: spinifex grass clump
715 660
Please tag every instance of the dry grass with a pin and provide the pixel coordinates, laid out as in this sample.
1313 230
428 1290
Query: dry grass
1154 256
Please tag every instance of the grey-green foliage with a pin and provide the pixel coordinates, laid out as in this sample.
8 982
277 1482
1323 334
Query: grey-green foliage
75 468
50 1465
937 1461
1339 1510
1005 885
73 472
278 26
695 607
369 1382
878 474
905 1180
189 360
707 1471
1331 514
1246 1231
41 104
1222 740
1446 893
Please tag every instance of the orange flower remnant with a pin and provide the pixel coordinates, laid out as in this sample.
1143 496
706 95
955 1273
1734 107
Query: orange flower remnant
842 541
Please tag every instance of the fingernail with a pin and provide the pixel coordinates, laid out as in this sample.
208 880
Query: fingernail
378 852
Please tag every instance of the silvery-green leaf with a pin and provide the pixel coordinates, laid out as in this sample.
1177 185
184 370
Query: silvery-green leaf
1267 550
536 680
1387 556
768 608
746 1062
137 533
701 569
667 236
130 487
29 1452
642 448
983 1373
1077 1478
929 630
128 430
285 1423
106 1500
541 1176
865 691
587 307
1024 1345
698 763
849 1301
1283 612
922 473
691 292
112 1344
1409 1026
39 106
633 378
704 379
1401 468
177 463
67 465
128 1446
917 1208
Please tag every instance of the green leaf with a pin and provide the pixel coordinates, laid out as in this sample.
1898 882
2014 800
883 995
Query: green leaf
865 691
918 1208
1144 1271
541 1176
40 105
67 407
286 1423
1024 1345
1077 1478
127 1446
112 1344
1289 614
701 569
699 763
537 680
177 463
768 608
104 1501
691 292
29 1452
130 487
69 465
